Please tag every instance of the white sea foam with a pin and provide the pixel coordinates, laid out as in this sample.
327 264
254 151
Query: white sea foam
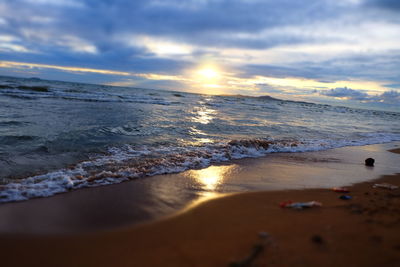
129 162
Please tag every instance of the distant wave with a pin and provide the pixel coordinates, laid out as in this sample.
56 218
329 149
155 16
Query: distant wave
13 139
74 95
11 123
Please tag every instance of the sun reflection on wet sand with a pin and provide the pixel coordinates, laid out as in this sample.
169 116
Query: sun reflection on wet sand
212 177
209 180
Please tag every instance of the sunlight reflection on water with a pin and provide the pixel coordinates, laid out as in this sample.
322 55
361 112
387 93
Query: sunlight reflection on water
203 114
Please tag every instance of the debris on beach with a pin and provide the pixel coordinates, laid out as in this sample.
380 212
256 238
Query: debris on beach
345 197
255 252
369 162
341 189
300 205
385 186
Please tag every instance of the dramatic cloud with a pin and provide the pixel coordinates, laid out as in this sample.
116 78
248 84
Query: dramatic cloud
346 93
391 97
251 43
388 97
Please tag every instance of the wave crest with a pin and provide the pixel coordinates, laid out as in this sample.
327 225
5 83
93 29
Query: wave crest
130 162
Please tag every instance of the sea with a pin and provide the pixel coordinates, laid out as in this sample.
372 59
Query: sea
58 136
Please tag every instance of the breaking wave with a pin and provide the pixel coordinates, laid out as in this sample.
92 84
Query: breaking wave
131 162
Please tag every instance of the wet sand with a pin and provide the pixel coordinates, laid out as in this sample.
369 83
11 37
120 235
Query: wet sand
363 231
146 199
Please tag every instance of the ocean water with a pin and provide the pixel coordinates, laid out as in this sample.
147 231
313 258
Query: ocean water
60 136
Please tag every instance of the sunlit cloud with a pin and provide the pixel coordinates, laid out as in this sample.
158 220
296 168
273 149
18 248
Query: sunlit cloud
7 38
158 46
10 64
13 47
308 43
123 83
36 35
149 76
48 38
256 85
77 44
209 79
371 86
152 76
11 43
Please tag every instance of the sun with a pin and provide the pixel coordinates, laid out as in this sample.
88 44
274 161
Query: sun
208 73
207 78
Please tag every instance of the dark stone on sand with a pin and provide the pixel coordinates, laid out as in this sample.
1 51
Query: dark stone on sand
369 162
317 239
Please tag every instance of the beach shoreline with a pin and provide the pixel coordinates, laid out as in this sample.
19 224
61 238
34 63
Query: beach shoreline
146 199
363 231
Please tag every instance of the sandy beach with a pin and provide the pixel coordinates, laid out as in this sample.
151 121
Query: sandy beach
246 229
205 133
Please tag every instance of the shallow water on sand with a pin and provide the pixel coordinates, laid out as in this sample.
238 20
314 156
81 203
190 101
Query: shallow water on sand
119 205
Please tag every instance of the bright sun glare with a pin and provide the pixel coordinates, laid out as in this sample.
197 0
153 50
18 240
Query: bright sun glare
208 78
208 73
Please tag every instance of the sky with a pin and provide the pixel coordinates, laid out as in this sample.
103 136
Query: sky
344 52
